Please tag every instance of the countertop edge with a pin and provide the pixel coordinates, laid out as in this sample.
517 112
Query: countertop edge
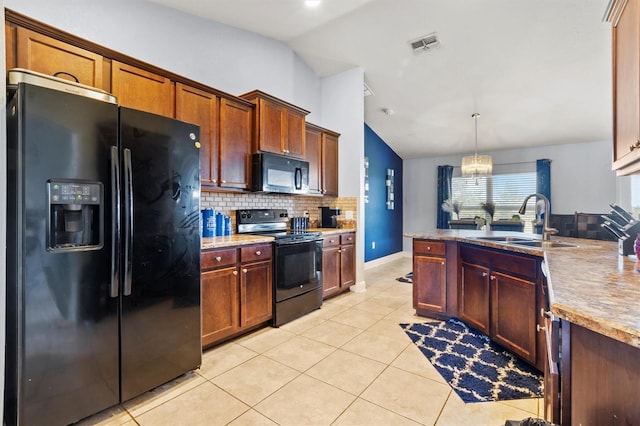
210 243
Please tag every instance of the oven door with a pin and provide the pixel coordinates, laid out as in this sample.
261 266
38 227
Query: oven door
297 268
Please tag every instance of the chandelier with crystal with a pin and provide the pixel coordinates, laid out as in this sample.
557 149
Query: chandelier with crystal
476 165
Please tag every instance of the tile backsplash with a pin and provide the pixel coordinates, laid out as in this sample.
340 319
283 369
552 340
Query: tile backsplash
228 202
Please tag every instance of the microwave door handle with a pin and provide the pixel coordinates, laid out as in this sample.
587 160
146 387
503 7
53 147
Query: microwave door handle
298 178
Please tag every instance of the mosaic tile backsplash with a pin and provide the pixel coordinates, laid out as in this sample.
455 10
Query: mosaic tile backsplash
228 203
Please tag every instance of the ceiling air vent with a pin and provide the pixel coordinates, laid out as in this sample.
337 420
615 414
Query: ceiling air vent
424 43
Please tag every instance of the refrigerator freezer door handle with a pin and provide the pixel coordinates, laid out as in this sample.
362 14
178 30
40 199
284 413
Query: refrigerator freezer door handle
128 231
115 222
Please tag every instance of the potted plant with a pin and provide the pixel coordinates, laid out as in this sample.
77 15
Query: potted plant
490 208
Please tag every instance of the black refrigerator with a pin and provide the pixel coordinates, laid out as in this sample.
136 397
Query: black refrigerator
103 251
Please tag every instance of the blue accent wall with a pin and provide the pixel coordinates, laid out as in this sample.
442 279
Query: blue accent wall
382 226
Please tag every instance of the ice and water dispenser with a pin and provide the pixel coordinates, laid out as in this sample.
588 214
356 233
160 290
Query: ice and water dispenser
75 215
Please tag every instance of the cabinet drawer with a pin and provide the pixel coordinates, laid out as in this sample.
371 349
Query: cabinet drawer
434 248
331 241
217 258
520 265
253 253
349 238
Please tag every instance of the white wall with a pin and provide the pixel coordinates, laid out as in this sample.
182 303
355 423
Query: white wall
343 111
581 180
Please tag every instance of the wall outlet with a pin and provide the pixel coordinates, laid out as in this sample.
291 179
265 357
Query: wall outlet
348 215
305 213
373 245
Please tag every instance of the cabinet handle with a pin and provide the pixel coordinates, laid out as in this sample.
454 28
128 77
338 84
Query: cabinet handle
339 251
244 270
484 274
493 277
539 329
428 248
442 263
235 272
350 239
635 146
258 253
215 181
545 314
224 181
332 241
218 258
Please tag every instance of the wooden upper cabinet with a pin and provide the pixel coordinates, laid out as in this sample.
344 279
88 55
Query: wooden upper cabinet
295 138
313 154
330 164
279 126
140 89
199 107
235 144
625 17
47 55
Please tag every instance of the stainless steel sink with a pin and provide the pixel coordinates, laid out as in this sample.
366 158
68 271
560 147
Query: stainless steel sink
543 244
506 239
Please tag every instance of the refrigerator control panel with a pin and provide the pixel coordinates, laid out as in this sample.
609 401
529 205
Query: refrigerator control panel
74 193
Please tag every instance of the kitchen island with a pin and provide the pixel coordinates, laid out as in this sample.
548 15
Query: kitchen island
595 294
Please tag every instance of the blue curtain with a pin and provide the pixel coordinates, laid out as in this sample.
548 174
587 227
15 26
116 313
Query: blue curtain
445 173
543 178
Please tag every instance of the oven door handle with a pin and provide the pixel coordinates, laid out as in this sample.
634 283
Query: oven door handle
288 243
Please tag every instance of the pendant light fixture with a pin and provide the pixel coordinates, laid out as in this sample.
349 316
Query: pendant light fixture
476 165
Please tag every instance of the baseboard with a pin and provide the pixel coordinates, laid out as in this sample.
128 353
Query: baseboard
386 259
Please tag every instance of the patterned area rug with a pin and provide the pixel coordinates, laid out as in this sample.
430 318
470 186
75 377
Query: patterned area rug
406 279
475 367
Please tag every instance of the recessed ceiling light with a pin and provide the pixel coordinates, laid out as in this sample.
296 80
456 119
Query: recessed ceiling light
312 3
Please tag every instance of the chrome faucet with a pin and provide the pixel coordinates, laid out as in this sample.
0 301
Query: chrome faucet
546 231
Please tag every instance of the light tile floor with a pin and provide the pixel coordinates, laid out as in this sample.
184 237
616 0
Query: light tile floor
348 363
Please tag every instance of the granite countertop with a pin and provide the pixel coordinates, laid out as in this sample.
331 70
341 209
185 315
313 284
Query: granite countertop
589 285
233 240
245 239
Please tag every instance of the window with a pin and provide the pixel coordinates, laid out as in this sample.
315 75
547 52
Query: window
507 191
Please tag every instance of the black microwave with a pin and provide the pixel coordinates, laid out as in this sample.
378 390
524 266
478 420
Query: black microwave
277 173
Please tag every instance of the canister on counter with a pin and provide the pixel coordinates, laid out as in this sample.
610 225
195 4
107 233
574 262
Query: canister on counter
208 222
219 224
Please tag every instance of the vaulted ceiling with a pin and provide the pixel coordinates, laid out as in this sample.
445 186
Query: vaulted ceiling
537 71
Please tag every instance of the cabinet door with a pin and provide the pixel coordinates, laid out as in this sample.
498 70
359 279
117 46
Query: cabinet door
473 296
140 89
330 270
201 108
46 55
313 154
626 76
235 144
220 316
295 134
329 165
513 314
256 293
271 130
430 283
347 265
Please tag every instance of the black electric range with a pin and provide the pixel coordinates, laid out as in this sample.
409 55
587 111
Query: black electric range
297 262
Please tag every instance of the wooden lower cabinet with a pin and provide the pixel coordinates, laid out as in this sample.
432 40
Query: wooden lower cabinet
256 301
429 276
474 296
498 295
237 291
220 317
338 263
